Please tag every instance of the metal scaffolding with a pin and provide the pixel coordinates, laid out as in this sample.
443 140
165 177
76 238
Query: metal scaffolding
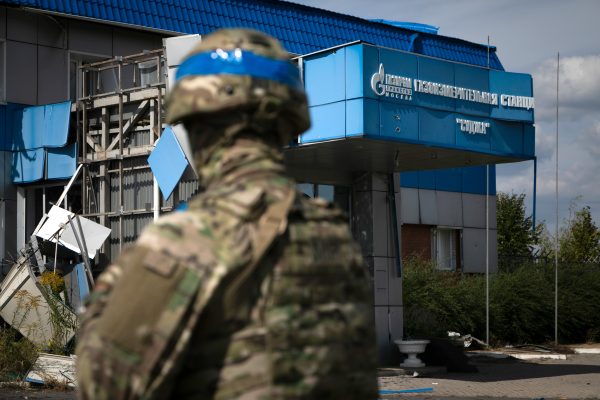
119 117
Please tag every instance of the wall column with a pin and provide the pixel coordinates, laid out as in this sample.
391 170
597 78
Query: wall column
373 228
21 217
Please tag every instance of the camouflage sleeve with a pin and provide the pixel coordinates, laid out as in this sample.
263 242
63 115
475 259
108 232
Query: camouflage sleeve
92 365
96 302
105 370
139 309
142 313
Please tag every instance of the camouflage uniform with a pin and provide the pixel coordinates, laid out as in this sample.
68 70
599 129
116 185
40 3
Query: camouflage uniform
254 292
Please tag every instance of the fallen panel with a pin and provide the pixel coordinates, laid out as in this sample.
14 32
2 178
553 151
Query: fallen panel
51 368
57 224
28 309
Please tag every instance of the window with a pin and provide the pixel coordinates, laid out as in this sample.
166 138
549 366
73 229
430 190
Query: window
76 60
313 190
446 248
340 195
149 72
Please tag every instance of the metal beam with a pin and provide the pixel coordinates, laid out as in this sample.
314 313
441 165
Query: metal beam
139 113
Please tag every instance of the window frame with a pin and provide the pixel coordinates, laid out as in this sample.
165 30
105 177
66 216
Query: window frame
455 257
79 58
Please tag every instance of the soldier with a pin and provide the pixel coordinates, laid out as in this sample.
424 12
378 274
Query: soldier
254 292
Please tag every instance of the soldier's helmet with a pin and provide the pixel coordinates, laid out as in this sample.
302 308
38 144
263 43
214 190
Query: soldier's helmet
240 71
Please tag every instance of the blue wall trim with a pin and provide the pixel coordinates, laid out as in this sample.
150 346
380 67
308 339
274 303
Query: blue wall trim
465 180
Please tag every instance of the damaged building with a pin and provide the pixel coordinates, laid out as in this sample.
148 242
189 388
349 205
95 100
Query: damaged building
405 131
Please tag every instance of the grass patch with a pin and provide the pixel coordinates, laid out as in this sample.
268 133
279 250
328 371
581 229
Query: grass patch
17 355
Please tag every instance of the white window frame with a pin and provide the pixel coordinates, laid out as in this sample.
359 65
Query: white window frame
449 262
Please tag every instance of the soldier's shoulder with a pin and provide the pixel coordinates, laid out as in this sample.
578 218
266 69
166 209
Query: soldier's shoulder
178 231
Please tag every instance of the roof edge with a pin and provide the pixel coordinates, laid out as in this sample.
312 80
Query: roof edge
392 27
97 20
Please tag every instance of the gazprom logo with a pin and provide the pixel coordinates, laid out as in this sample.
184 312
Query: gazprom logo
377 81
388 85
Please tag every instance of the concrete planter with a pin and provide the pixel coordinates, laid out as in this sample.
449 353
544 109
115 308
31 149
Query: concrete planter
411 348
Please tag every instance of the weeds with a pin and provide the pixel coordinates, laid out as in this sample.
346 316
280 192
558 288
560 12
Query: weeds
17 354
62 320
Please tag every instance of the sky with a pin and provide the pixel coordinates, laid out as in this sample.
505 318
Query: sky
528 35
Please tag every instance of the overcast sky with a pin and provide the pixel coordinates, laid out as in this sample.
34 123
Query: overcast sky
528 34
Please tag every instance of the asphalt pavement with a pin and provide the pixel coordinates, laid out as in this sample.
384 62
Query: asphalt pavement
576 377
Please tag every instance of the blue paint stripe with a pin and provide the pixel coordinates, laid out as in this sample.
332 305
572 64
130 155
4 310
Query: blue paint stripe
241 62
420 390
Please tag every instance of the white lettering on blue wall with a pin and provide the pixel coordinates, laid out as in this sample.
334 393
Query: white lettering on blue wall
473 127
517 101
402 87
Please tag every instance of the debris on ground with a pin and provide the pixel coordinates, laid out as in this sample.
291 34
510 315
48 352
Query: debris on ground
53 370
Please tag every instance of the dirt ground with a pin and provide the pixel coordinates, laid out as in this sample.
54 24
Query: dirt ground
31 394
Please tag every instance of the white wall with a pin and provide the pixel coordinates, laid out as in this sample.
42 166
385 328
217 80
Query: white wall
457 210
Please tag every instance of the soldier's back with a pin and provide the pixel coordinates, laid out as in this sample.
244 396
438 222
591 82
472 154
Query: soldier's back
301 327
193 315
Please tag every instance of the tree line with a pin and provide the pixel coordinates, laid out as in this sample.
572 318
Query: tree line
518 238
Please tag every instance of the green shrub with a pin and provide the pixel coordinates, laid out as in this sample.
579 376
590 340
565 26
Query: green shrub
17 354
578 300
521 308
521 303
436 302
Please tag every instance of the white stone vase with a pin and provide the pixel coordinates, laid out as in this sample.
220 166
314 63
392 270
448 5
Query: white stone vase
411 348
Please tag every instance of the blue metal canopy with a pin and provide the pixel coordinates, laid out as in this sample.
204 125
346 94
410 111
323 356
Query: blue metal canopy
384 110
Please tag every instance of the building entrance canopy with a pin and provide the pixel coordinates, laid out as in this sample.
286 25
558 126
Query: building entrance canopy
382 110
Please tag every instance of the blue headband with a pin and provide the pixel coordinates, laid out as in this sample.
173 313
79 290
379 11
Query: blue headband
241 62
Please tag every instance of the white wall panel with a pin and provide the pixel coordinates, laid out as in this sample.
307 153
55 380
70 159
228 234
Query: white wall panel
473 210
449 208
53 75
87 37
2 22
21 72
380 280
21 26
128 42
428 207
409 205
52 31
474 255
